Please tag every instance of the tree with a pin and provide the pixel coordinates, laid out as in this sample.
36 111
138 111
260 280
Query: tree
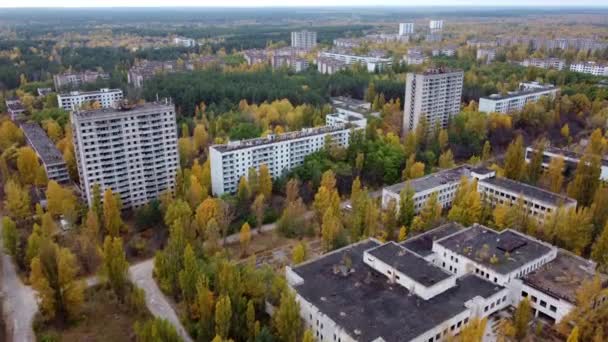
17 200
156 330
515 162
431 212
499 215
223 316
442 139
245 238
27 165
53 276
308 336
299 253
178 212
522 318
286 319
111 213
60 201
251 322
169 262
115 267
565 132
466 207
586 179
10 237
327 196
402 233
10 134
258 207
41 178
196 193
535 167
265 181
254 180
189 277
205 305
207 210
416 171
389 220
573 337
446 160
243 193
473 331
553 177
330 229
486 152
96 205
201 138
88 241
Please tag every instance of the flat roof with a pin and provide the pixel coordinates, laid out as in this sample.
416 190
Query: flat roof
423 244
92 92
349 101
273 138
121 111
480 244
562 277
567 153
409 264
368 307
433 180
529 191
514 94
40 142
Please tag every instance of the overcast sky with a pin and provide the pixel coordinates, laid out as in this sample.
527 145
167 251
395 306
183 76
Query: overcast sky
277 3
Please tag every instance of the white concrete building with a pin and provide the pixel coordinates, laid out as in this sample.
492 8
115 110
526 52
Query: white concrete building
185 42
436 25
329 66
304 39
15 109
548 63
486 54
347 57
280 152
592 68
516 100
571 160
434 95
406 29
50 157
75 80
132 150
75 99
415 57
427 288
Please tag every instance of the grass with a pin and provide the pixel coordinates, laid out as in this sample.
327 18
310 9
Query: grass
103 319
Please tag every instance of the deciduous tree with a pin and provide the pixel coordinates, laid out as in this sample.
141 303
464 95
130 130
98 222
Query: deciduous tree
265 181
245 238
27 165
17 200
515 163
286 319
111 213
115 267
223 316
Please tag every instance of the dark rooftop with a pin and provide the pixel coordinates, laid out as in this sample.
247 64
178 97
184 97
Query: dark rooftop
562 277
40 142
367 306
409 264
529 191
423 244
433 180
123 109
480 244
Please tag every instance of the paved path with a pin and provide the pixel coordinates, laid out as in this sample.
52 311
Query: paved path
159 306
20 305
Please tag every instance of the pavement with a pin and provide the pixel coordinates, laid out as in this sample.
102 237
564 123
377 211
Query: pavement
157 303
20 305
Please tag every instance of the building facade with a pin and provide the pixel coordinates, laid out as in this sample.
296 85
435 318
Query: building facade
436 25
105 97
304 39
280 152
515 101
48 154
371 62
406 29
548 63
434 95
74 80
571 160
185 42
592 68
427 288
15 109
132 150
486 54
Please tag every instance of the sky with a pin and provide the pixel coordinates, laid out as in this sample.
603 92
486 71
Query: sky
297 3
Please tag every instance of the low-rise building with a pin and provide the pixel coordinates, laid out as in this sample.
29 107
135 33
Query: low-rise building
43 91
256 56
516 100
429 287
15 109
547 63
448 51
347 43
185 42
571 159
280 152
75 99
326 65
75 80
478 44
593 68
48 154
372 62
145 70
486 54
415 57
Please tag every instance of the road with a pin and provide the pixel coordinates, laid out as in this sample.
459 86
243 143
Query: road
20 305
159 306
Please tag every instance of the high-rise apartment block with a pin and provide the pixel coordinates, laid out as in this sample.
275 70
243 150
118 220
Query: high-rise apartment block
77 79
304 39
433 95
48 154
429 287
280 152
436 25
130 149
105 97
406 29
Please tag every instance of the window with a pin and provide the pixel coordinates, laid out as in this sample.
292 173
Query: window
534 299
524 294
553 308
543 303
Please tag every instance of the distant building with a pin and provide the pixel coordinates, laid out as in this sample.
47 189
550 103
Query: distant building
75 80
289 58
571 159
406 29
347 43
43 91
436 25
448 51
476 43
185 42
326 65
548 63
516 100
592 68
50 157
415 58
486 54
434 37
304 39
434 95
105 97
375 60
131 150
15 109
280 152
429 287
255 56
146 70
